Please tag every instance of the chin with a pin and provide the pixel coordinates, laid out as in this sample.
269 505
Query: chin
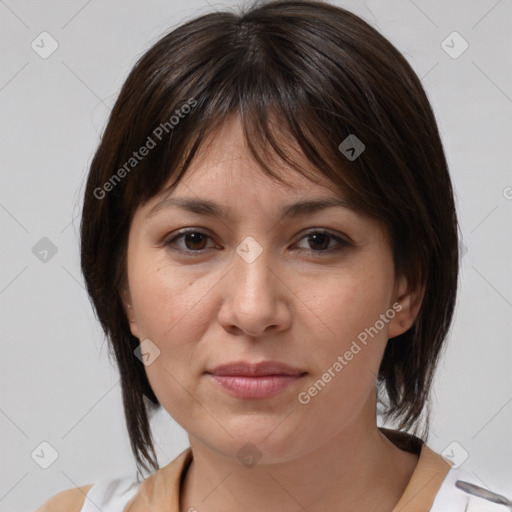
258 447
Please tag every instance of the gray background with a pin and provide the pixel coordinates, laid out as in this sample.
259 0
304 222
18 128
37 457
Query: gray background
57 383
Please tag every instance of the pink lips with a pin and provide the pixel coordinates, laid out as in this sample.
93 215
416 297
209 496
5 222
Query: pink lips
255 380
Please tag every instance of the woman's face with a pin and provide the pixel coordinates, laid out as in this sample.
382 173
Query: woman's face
255 286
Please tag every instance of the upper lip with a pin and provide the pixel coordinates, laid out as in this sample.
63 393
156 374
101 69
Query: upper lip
255 369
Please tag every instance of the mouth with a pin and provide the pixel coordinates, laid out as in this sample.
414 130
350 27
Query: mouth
255 380
265 386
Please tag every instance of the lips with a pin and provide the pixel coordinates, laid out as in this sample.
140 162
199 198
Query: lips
244 380
262 368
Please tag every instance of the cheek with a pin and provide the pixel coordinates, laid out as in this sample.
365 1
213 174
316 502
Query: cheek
171 309
169 312
163 296
346 305
349 309
349 350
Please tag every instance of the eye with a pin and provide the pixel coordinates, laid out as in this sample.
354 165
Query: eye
193 241
321 241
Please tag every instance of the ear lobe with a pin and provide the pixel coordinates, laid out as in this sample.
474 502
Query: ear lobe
130 314
410 302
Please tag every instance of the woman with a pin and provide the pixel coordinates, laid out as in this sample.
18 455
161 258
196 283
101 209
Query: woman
269 239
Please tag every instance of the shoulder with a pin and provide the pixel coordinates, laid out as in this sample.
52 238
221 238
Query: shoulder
70 500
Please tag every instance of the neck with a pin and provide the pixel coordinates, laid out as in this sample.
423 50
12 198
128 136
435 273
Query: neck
357 469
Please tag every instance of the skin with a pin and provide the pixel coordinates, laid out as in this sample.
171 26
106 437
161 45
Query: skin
297 303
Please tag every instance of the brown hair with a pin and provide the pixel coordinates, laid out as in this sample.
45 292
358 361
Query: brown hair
324 74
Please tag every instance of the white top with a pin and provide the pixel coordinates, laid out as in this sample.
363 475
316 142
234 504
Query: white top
113 495
110 495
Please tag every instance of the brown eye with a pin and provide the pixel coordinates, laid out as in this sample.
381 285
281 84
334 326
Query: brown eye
191 241
322 242
194 241
319 241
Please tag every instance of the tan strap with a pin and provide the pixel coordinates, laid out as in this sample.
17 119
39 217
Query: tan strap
162 489
425 482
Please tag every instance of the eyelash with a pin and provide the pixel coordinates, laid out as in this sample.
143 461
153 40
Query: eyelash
342 244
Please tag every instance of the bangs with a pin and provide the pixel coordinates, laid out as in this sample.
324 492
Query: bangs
290 86
273 129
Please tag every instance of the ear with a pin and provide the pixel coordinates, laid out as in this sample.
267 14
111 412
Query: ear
128 309
406 304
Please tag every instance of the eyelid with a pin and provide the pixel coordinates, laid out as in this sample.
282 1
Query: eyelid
334 234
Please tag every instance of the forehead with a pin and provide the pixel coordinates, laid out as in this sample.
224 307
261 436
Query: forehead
224 165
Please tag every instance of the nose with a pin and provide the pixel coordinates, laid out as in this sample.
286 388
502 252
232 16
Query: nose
255 298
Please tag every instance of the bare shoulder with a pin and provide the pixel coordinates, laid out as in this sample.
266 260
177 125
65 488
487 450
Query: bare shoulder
70 500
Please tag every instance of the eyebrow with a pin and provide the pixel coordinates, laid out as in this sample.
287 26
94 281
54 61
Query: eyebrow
210 208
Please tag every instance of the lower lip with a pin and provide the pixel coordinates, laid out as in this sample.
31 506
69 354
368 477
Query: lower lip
264 386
